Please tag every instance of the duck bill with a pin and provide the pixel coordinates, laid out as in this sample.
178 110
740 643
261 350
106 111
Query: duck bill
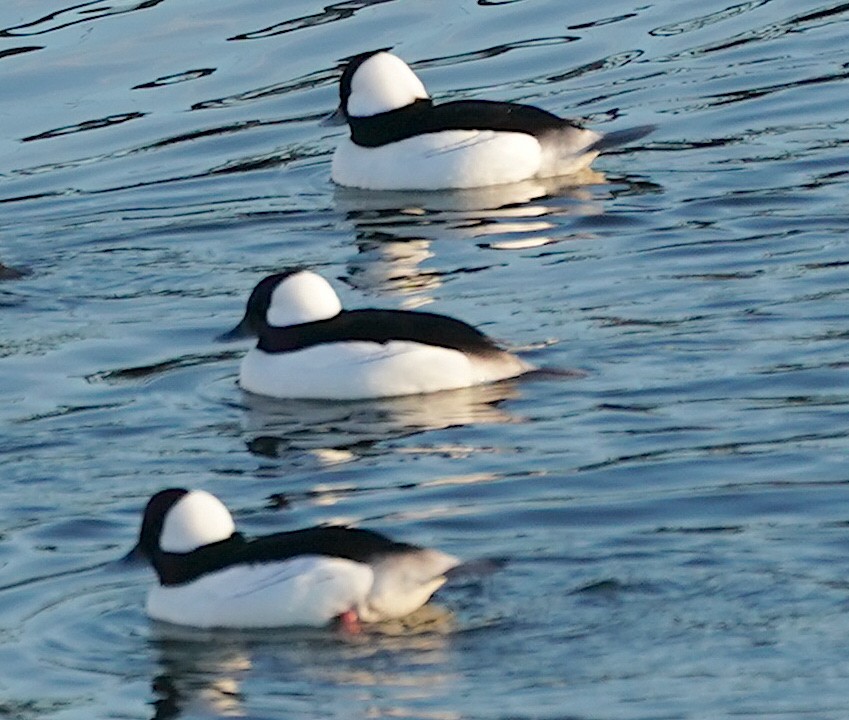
620 137
240 332
134 557
335 119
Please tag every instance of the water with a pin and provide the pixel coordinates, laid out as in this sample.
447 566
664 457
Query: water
675 515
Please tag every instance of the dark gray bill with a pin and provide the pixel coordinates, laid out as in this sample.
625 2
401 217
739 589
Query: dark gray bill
240 332
336 118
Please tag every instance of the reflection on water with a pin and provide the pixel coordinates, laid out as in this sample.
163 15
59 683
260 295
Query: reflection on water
206 672
793 24
395 230
86 12
384 264
493 199
198 676
680 502
354 428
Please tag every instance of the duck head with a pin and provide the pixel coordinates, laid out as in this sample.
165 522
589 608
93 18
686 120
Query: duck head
180 521
291 297
375 82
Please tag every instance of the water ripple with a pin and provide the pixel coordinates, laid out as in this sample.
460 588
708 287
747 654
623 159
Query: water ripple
11 52
174 78
84 12
794 24
331 13
703 21
681 499
85 126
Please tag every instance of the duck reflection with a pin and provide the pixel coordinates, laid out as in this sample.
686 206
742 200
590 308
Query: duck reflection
572 190
198 677
391 266
336 432
395 229
212 673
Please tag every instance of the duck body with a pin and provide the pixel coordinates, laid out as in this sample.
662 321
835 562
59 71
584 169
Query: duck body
212 576
330 353
401 140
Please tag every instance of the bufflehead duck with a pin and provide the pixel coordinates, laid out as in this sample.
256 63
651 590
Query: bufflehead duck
401 140
309 347
212 576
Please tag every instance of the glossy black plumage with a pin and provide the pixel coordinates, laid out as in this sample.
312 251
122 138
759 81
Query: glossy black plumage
172 568
424 116
366 325
349 543
380 326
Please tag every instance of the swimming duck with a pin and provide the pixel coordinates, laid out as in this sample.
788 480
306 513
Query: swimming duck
210 575
401 140
309 347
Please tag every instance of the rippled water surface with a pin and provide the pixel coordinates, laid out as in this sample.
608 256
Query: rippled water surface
675 515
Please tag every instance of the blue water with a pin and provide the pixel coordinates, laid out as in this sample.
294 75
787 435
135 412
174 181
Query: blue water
675 514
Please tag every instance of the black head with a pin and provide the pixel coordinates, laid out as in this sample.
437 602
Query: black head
254 321
152 520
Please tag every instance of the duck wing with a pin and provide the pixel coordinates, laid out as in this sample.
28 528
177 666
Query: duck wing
423 116
380 326
354 544
307 590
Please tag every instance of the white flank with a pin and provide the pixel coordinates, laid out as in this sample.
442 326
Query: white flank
309 590
450 159
356 370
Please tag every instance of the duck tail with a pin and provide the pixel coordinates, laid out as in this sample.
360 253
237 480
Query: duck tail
475 569
620 137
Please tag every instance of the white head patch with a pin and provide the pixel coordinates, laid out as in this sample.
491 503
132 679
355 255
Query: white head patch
383 82
196 519
302 297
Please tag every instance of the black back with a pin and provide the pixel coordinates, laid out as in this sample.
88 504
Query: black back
423 116
178 568
380 326
349 543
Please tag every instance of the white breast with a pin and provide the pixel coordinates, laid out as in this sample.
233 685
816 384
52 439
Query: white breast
355 370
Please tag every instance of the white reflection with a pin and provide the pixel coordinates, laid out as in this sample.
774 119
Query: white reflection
396 230
337 432
198 675
490 198
393 266
228 673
